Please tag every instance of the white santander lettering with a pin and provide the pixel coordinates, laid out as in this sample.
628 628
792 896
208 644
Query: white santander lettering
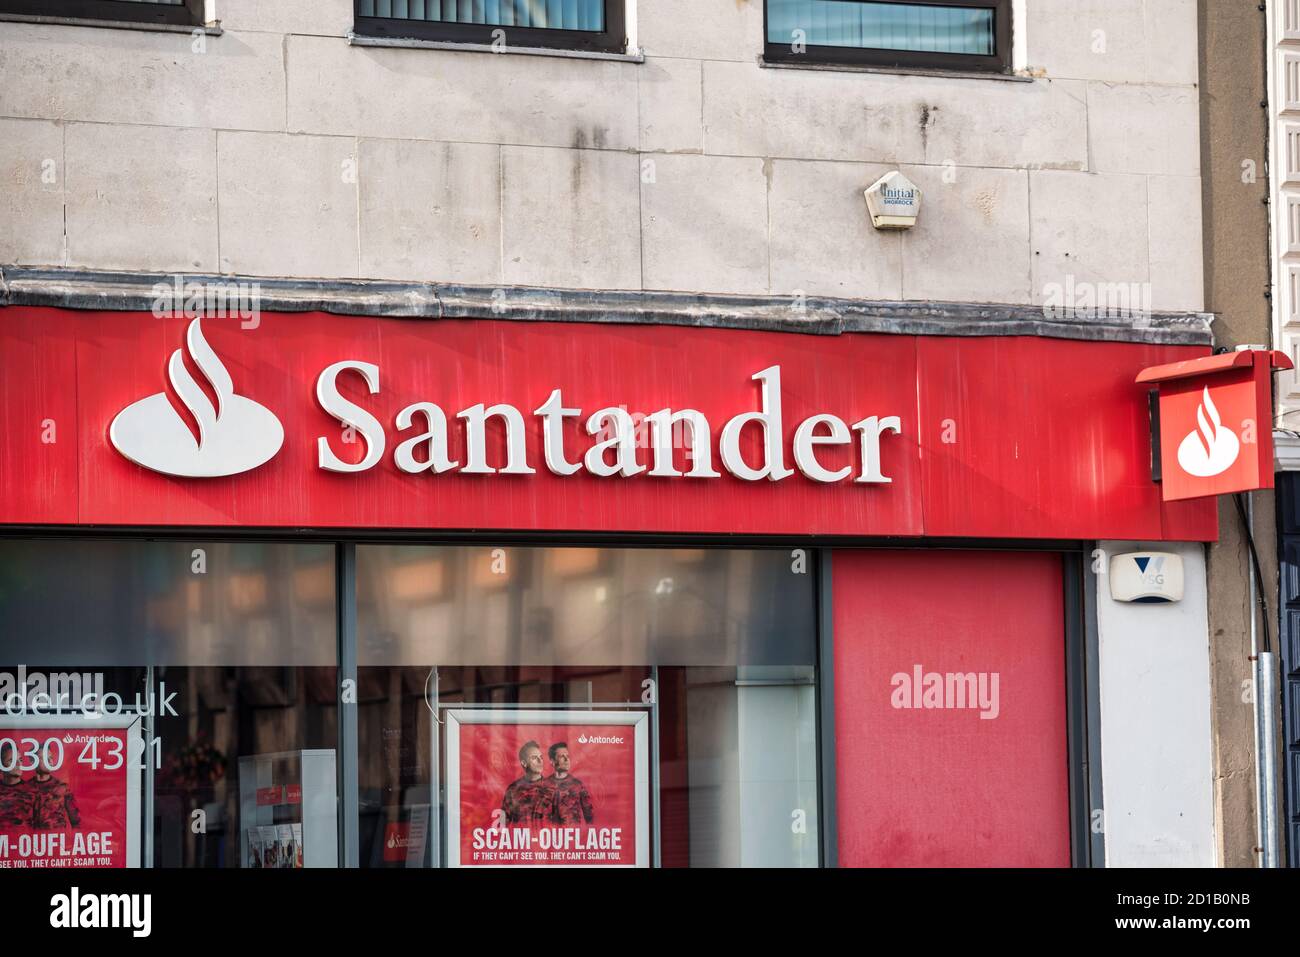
553 414
806 439
350 414
476 417
871 429
662 424
435 439
623 442
619 436
769 420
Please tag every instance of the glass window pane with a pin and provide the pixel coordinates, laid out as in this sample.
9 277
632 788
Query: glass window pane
882 26
717 645
221 659
453 605
107 602
537 14
254 750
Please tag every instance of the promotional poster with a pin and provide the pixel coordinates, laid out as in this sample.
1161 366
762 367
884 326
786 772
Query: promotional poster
563 788
68 795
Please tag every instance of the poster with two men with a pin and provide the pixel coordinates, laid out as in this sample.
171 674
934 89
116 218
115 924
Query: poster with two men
547 788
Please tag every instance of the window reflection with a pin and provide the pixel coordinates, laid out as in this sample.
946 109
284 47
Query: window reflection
718 645
229 647
534 606
715 647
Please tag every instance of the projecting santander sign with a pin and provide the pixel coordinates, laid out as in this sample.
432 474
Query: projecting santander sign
1216 430
316 420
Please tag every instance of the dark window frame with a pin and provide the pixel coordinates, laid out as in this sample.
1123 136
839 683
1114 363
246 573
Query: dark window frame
613 39
190 13
998 62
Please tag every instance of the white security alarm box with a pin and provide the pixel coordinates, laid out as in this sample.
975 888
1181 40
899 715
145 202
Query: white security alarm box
1146 577
894 201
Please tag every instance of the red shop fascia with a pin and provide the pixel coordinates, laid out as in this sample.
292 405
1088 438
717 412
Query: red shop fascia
924 471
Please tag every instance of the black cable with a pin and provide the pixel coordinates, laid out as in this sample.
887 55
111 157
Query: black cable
1259 576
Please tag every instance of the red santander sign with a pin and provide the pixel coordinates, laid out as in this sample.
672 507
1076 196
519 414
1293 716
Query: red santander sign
320 421
1216 431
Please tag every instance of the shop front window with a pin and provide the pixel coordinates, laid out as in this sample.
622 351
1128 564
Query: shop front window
218 662
538 705
175 703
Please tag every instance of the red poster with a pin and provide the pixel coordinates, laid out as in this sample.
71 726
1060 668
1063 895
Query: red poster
548 789
66 795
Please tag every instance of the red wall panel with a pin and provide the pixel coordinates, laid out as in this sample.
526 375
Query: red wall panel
38 418
1042 433
943 787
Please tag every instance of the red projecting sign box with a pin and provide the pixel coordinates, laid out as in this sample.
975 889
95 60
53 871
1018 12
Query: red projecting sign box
1216 423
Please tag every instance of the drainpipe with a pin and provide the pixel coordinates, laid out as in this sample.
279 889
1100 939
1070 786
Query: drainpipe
1266 835
1266 742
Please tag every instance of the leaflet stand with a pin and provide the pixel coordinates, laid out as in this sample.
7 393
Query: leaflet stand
293 788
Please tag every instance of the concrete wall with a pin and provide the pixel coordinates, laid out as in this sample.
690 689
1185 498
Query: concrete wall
279 149
1234 150
1157 768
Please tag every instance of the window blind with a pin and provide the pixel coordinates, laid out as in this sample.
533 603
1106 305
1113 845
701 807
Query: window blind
882 26
536 14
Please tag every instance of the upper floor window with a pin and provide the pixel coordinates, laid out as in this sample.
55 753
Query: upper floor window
186 12
942 34
595 25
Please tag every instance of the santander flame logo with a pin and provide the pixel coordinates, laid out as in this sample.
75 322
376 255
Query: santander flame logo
235 435
1209 449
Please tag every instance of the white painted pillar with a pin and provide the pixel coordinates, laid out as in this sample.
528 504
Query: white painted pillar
1157 765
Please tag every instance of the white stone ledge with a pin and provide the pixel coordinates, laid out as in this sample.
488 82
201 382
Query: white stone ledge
893 70
412 44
